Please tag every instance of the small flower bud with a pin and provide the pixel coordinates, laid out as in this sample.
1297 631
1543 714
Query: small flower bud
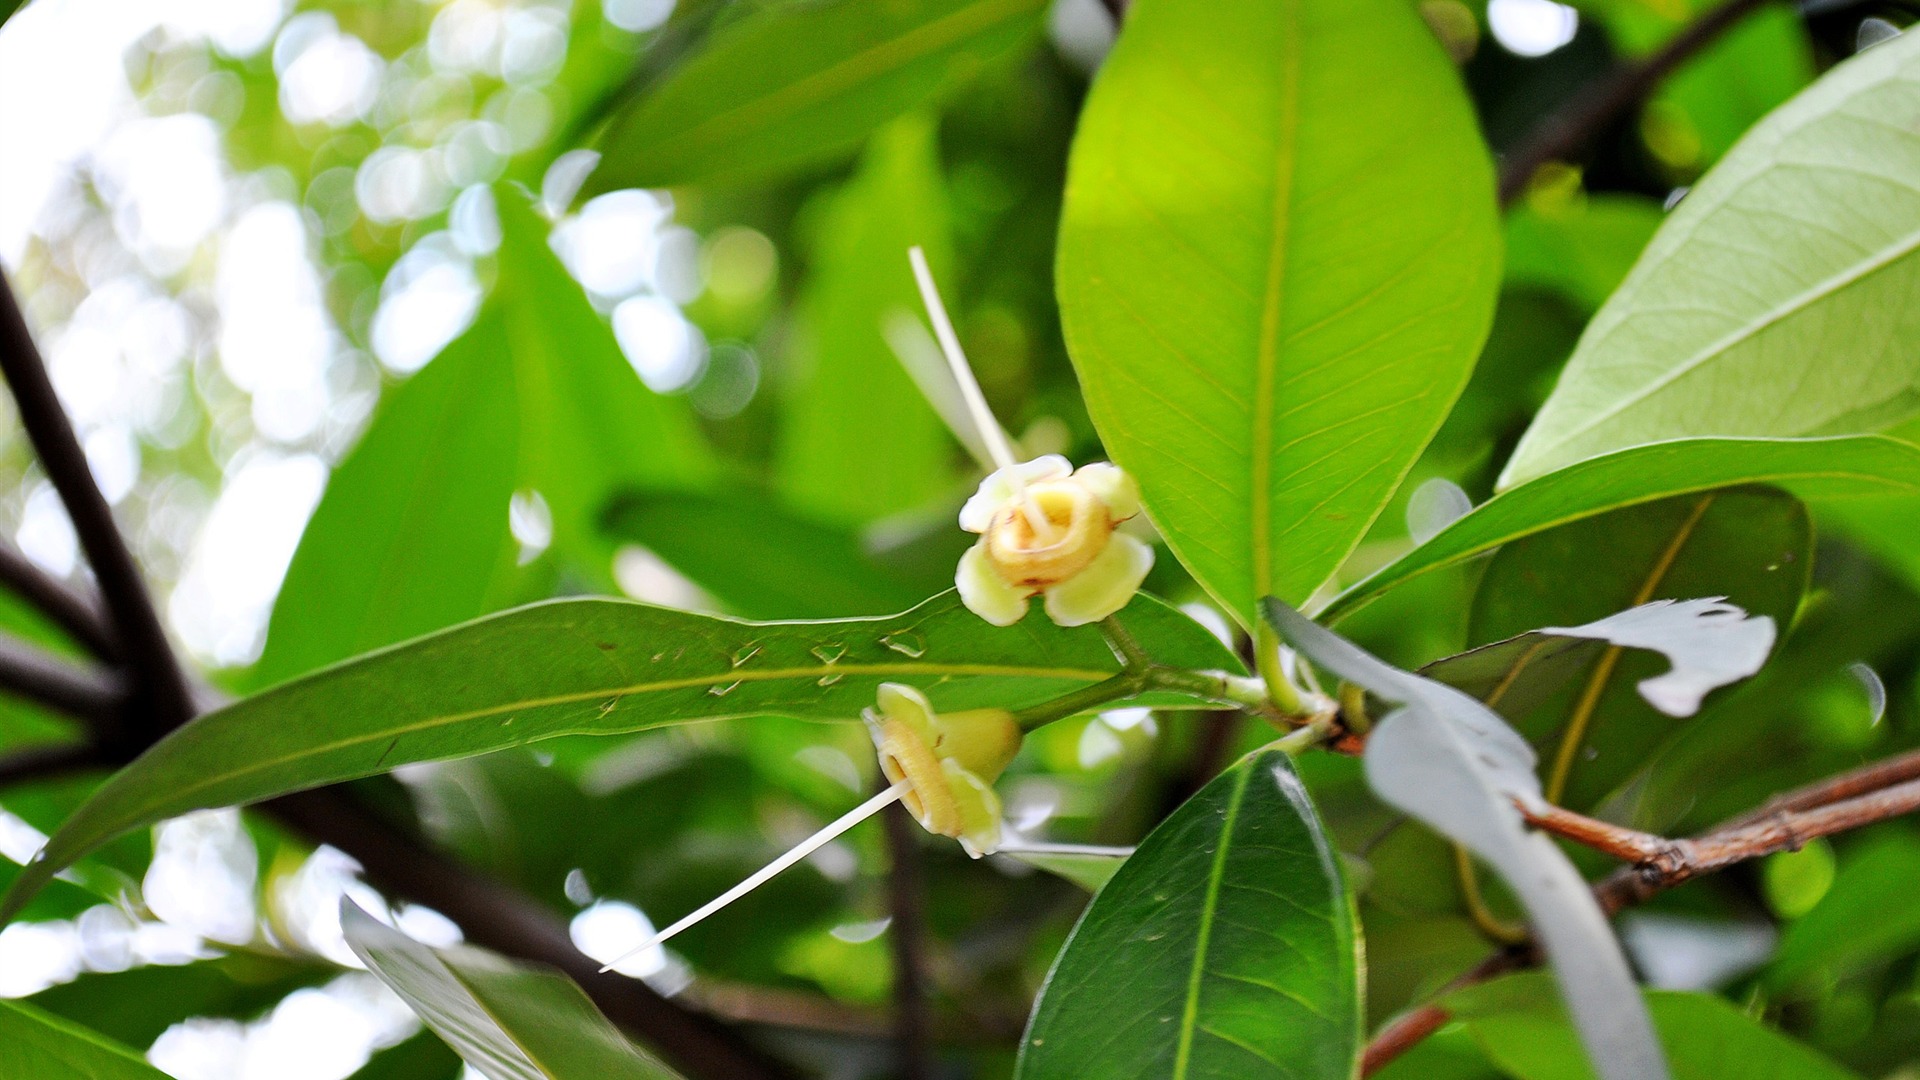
1048 528
949 761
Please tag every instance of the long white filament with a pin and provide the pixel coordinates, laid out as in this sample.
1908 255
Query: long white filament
766 873
983 418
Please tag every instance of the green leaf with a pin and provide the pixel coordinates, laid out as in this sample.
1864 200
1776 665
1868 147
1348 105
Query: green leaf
1225 947
1753 546
797 84
510 1021
423 1057
1520 1024
744 550
1868 914
1089 868
599 667
42 1046
1582 248
1814 469
135 1006
859 439
1774 300
411 535
1278 257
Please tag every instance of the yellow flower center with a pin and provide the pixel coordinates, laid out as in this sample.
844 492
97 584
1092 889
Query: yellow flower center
1078 527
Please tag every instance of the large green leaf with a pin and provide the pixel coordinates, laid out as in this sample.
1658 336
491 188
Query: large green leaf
594 667
1224 947
1774 300
43 1046
1277 260
797 84
510 1021
412 534
1812 468
859 440
1580 248
135 1006
1753 546
1521 1026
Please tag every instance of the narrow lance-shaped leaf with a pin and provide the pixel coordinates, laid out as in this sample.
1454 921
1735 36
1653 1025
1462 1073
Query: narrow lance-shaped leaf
596 667
1278 258
1451 762
1224 947
796 84
40 1045
1814 469
1776 299
510 1021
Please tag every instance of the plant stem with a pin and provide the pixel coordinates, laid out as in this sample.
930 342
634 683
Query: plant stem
41 762
1125 646
57 684
78 615
907 902
1569 129
1124 685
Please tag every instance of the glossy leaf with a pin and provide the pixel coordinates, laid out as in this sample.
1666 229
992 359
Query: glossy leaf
797 84
412 533
1278 258
1521 1026
509 1021
1753 546
858 438
1224 947
1454 764
42 1046
1773 301
762 561
595 667
1088 867
1811 468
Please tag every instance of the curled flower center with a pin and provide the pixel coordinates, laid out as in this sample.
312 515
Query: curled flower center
1077 527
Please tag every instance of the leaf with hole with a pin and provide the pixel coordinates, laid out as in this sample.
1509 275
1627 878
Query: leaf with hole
1278 258
601 667
1455 765
1224 947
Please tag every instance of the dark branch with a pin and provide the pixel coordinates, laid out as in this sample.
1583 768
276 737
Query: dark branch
153 670
28 673
1117 9
499 917
43 762
906 897
1571 128
78 615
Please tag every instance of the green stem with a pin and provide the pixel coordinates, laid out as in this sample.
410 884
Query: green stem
1266 658
1124 645
1124 685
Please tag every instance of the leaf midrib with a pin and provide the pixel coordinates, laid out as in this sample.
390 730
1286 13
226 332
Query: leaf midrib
1793 305
176 794
1190 1013
889 55
1267 361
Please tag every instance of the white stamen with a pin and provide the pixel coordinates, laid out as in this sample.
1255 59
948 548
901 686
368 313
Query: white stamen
990 431
766 873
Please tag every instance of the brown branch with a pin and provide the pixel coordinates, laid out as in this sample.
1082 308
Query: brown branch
1851 800
160 686
74 613
43 762
906 898
1570 128
64 687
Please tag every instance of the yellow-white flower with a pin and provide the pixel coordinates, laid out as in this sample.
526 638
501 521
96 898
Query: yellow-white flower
1047 528
948 762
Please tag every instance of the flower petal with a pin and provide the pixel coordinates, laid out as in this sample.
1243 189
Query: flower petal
985 592
1111 485
1105 586
1003 484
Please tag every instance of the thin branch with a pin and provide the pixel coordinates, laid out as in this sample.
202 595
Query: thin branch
497 916
43 762
907 900
1851 800
78 615
154 671
1568 130
1117 9
89 696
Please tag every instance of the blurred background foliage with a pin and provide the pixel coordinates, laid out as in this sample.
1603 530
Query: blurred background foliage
361 343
